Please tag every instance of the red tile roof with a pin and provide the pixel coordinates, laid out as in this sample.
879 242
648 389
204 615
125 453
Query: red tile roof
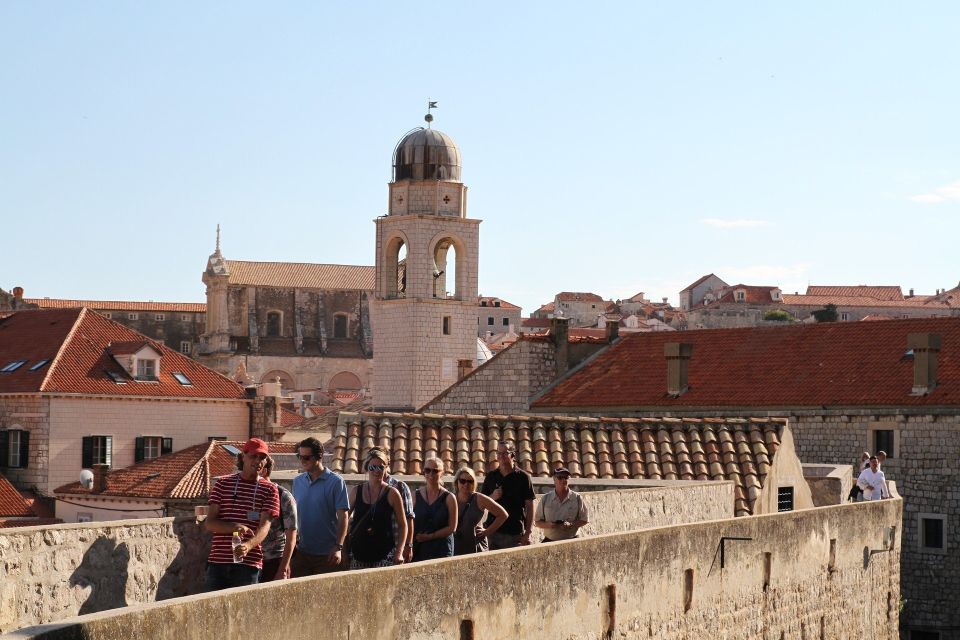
863 301
837 364
12 504
290 418
698 282
752 293
117 305
645 449
535 322
301 275
490 302
548 307
182 475
75 342
880 293
578 296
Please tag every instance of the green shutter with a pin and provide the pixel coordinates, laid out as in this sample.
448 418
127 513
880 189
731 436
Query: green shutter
138 450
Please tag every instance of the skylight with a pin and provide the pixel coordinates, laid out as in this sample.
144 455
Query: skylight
116 377
13 366
232 450
39 364
182 379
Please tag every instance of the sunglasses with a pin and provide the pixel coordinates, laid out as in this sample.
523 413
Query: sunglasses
375 467
430 471
305 458
465 480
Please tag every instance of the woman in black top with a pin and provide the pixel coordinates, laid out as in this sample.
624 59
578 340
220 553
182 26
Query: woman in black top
371 530
435 520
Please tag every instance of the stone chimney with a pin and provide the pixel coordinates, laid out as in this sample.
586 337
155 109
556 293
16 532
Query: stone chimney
612 330
678 359
926 349
464 367
560 332
99 478
911 293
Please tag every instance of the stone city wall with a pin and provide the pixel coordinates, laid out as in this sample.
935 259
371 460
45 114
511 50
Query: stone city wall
52 573
831 573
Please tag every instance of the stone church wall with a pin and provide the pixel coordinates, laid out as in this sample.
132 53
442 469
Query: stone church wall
831 572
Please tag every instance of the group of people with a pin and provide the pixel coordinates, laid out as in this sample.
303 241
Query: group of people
262 532
871 482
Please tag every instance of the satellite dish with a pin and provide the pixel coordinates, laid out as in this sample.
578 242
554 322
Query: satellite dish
86 479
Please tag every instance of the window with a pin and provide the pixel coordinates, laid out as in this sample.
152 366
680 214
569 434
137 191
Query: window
13 366
107 315
273 324
741 296
490 320
932 535
133 316
97 450
212 438
84 516
340 325
883 440
446 325
14 448
186 347
785 499
149 447
483 303
496 303
844 317
146 369
182 378
506 322
159 317
39 365
116 377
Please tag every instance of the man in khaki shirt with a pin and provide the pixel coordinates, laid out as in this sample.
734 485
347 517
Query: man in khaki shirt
561 512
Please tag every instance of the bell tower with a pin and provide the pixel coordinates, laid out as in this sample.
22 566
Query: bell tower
216 338
425 297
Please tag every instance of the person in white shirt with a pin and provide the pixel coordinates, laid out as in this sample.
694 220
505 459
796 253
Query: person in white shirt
873 482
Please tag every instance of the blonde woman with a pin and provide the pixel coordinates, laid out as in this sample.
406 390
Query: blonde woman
435 509
470 536
373 542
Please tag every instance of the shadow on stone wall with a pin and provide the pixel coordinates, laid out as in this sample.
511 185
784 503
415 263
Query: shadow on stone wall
184 575
104 570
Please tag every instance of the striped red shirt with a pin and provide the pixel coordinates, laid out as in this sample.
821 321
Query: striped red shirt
236 498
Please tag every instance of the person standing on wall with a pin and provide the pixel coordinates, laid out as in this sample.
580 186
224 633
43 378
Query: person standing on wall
561 512
242 506
407 498
873 482
513 489
323 507
280 542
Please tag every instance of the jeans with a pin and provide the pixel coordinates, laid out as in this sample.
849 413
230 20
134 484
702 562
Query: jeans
226 576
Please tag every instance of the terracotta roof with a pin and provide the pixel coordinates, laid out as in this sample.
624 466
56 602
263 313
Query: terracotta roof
880 293
182 475
752 293
577 296
12 504
302 275
117 305
836 364
548 307
535 322
649 449
862 301
698 282
875 317
490 302
290 418
75 344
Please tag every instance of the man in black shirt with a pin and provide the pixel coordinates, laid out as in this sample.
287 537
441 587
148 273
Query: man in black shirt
513 489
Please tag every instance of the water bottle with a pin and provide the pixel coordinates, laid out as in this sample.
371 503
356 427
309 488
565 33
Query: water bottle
237 551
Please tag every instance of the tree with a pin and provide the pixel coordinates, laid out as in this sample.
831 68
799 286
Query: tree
778 315
827 314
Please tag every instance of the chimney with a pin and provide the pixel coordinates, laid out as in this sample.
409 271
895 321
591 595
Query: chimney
613 330
678 359
926 347
99 478
464 367
560 332
18 293
911 293
664 300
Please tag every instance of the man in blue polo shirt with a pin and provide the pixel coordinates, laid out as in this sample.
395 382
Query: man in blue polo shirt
322 507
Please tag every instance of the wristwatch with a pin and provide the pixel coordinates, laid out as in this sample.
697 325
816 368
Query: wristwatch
338 547
409 546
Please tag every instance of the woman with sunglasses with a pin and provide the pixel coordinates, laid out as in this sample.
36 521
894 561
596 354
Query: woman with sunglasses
375 505
435 509
470 536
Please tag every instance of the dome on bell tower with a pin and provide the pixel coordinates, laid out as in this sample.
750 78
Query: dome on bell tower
426 154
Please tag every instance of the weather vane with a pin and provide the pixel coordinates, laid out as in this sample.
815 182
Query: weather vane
429 117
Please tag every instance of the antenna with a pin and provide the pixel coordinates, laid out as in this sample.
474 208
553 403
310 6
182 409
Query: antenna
218 237
431 105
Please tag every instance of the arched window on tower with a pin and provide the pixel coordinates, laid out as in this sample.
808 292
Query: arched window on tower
273 324
445 263
395 269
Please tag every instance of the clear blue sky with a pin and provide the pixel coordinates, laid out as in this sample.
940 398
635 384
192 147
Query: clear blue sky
612 148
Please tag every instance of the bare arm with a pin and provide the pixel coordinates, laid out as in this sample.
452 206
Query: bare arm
401 516
214 524
527 521
283 571
499 515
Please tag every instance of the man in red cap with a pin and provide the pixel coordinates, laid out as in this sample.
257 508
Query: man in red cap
242 506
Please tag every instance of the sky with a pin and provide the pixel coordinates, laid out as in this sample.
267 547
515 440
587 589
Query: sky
610 147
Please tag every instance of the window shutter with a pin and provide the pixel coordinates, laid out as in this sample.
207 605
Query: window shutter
87 453
138 450
109 449
166 446
4 448
24 449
